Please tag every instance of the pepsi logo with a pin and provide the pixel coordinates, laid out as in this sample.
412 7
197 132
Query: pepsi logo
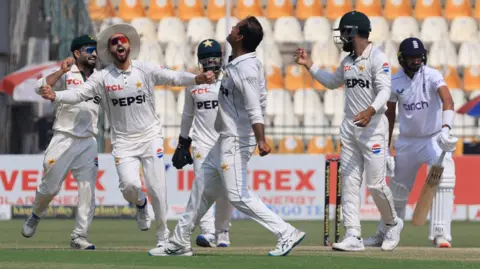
386 68
95 161
376 148
159 153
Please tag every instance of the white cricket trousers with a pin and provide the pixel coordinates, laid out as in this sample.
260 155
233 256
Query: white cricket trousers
219 221
79 155
411 153
364 149
224 174
148 160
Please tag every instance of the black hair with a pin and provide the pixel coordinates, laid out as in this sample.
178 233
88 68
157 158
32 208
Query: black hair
252 33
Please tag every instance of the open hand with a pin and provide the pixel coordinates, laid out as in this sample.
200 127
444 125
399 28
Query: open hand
205 78
47 93
67 64
301 58
263 148
363 118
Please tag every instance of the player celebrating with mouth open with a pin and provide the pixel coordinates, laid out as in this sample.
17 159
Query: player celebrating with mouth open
426 117
363 133
127 90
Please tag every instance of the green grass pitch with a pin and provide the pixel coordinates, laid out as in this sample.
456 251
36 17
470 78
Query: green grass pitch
121 245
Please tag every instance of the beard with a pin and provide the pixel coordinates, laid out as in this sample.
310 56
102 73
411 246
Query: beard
348 46
121 54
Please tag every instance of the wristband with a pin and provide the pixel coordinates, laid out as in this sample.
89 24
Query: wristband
447 118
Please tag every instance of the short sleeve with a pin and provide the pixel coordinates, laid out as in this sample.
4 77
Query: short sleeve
437 79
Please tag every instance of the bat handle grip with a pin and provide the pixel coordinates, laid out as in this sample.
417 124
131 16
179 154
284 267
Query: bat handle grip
442 156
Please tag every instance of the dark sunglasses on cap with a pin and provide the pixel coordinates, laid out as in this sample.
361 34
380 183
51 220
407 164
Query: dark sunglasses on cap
114 41
90 50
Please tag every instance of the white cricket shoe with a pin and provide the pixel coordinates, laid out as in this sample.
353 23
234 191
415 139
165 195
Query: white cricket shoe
374 241
30 225
143 219
206 240
223 239
349 243
392 236
80 242
441 242
285 245
171 249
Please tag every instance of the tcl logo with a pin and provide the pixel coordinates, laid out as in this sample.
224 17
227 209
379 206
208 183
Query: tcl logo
113 88
27 179
200 91
73 81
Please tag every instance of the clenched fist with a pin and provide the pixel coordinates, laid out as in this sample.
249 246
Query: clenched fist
47 93
205 78
301 58
263 148
67 64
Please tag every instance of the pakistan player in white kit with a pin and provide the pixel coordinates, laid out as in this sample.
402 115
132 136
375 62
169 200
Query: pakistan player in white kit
239 122
127 88
426 116
365 72
73 146
200 110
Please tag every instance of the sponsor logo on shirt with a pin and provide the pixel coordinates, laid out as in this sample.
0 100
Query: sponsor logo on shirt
439 82
415 106
128 101
207 104
159 153
95 161
347 68
96 99
200 91
376 149
353 82
400 91
72 81
224 91
113 88
386 68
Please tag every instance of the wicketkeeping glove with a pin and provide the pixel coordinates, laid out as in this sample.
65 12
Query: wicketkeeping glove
182 155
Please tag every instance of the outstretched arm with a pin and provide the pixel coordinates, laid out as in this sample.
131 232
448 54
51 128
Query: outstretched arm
164 76
92 87
327 79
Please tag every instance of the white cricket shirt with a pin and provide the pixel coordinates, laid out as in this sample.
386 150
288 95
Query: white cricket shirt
242 98
366 80
200 110
129 101
419 105
80 119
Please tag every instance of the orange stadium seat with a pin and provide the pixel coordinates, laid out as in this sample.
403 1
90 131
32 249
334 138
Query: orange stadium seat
471 78
476 12
131 9
397 8
291 144
451 78
269 141
308 8
459 149
369 7
247 8
279 8
216 10
158 10
274 77
188 9
457 8
296 77
335 9
100 10
170 145
320 145
429 8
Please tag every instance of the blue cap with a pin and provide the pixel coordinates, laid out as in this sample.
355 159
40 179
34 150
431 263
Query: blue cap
412 46
209 48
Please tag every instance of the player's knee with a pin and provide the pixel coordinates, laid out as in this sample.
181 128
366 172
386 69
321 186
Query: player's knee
378 190
130 191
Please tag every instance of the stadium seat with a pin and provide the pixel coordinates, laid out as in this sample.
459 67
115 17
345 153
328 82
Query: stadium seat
101 9
269 141
308 8
463 29
297 77
291 144
131 9
337 8
151 52
451 77
216 10
317 29
279 8
274 77
266 26
469 54
109 22
404 27
280 102
457 8
189 9
287 30
285 124
476 12
443 53
459 99
391 50
433 29
269 54
221 29
380 29
145 28
171 30
247 8
329 103
397 8
177 56
306 102
370 8
199 29
471 78
425 9
160 9
325 54
321 145
170 145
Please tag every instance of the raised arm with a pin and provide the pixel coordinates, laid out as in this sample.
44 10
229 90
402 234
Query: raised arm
327 79
92 87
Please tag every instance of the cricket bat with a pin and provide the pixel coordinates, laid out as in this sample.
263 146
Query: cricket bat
429 190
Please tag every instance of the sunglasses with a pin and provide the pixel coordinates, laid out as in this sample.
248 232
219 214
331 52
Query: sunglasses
90 50
114 41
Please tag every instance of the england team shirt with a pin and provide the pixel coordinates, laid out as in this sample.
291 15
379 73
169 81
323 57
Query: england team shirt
419 105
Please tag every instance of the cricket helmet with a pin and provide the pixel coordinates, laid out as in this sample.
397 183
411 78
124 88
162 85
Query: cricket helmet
209 55
352 24
412 47
121 28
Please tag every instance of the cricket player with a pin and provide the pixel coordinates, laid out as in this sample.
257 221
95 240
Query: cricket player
73 146
127 88
365 72
241 102
200 110
426 115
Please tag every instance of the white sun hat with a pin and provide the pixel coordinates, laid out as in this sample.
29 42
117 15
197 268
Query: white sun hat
121 28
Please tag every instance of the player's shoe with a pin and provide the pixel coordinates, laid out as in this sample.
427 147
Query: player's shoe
285 245
441 242
30 225
206 240
142 217
223 239
377 239
392 236
80 242
349 243
171 249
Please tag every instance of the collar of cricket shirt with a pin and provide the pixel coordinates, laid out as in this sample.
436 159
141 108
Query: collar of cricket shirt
243 57
365 54
129 69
